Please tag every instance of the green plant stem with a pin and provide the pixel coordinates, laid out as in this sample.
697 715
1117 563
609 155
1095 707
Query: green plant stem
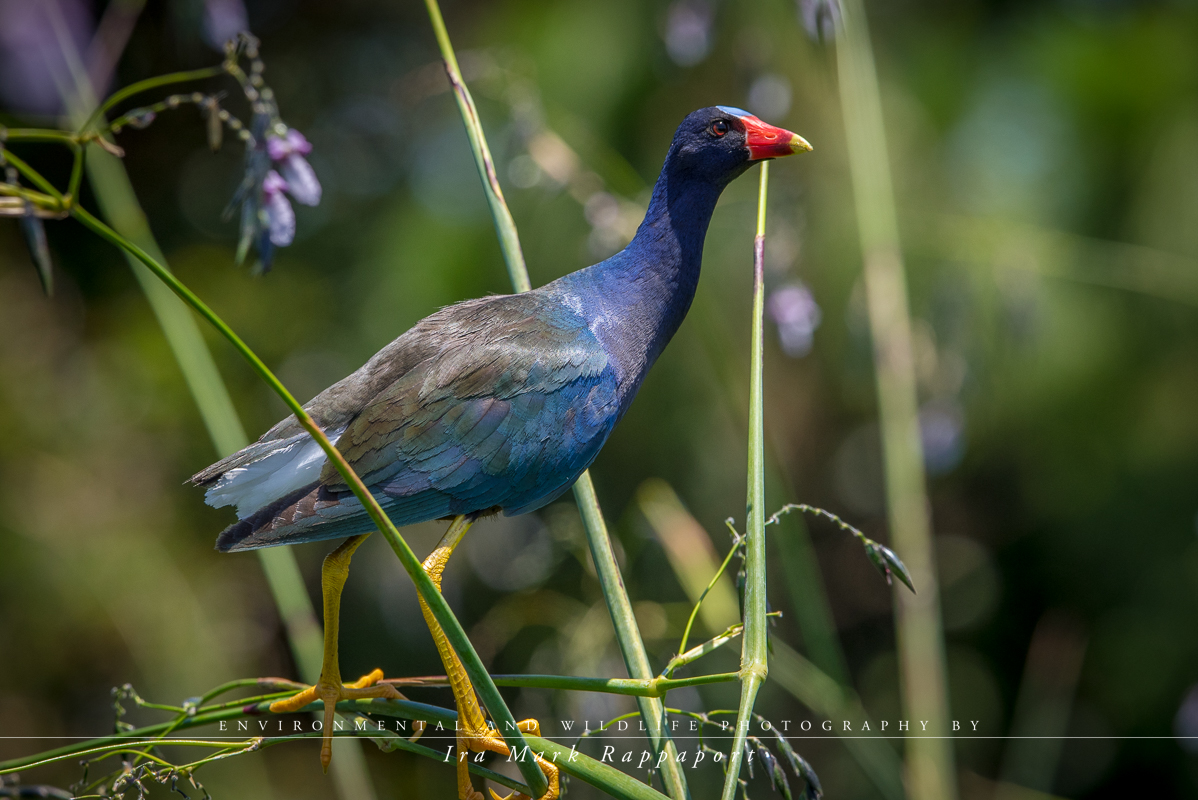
453 629
698 651
40 199
628 635
146 85
38 135
32 175
602 776
803 581
392 742
826 672
929 761
114 192
76 172
686 632
505 226
632 648
655 687
754 652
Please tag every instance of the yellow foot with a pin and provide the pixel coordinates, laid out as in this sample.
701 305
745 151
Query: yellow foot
367 686
492 742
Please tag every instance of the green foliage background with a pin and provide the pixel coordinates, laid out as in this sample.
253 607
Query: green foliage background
1045 174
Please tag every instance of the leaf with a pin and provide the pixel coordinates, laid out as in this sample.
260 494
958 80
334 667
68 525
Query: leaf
887 562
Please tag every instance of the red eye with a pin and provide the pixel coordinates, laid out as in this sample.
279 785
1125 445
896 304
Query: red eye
719 128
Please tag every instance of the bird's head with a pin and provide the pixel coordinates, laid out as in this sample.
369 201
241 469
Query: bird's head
719 143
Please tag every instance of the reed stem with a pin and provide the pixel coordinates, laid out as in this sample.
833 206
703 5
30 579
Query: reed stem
632 647
929 760
754 652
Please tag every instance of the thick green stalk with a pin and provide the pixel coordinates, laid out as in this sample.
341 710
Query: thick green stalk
810 607
505 226
636 659
929 761
628 635
453 629
656 687
754 652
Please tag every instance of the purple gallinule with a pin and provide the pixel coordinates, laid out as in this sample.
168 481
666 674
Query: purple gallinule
489 405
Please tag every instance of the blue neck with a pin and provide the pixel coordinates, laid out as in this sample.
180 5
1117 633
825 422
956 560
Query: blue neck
634 301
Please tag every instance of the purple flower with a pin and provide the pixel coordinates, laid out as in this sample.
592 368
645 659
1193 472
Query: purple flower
280 216
794 311
274 168
287 152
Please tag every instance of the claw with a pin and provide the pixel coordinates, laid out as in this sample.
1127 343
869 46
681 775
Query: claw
512 796
491 741
367 686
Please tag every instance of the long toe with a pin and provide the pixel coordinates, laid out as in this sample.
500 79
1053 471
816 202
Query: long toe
491 741
366 687
369 679
378 690
296 701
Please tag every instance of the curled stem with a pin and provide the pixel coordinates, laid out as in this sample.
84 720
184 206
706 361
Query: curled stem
695 611
144 86
880 555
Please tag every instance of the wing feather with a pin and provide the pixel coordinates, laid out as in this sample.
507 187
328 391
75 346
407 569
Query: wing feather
498 402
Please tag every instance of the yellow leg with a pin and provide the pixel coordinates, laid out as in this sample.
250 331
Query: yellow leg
474 735
330 689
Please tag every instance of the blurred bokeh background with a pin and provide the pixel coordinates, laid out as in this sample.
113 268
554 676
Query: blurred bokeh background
1046 170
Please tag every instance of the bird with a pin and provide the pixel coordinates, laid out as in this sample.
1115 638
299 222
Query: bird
490 405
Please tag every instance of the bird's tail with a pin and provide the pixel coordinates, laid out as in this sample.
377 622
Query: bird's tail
310 514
